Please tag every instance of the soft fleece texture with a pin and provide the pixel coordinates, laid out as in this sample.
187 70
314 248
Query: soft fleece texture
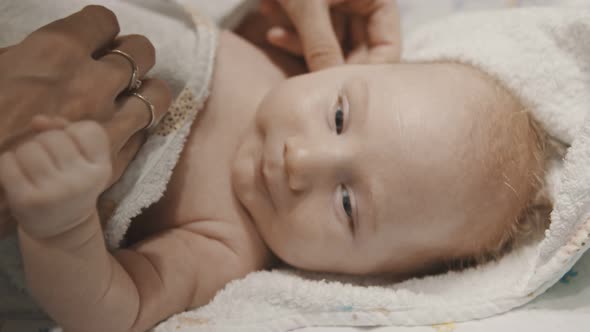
543 56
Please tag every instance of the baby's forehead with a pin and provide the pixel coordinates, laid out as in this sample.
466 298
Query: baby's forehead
410 112
427 136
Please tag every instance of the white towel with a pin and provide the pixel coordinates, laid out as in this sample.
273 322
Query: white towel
543 56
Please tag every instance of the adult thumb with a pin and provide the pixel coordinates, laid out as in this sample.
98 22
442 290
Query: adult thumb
4 49
311 19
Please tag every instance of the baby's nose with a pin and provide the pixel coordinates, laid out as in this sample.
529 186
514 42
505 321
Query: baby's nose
306 163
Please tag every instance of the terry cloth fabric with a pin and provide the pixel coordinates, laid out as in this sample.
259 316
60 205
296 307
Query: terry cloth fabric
185 61
542 55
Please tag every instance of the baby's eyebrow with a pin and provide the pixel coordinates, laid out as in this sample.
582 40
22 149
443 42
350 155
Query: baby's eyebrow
366 206
357 90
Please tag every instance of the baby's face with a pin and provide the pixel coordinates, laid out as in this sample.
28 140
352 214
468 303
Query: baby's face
368 168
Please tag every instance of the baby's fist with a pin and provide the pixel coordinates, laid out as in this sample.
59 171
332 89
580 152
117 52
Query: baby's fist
53 180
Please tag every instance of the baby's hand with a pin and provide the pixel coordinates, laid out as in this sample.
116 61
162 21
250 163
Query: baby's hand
52 181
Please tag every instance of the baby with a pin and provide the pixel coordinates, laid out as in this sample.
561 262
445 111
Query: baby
400 170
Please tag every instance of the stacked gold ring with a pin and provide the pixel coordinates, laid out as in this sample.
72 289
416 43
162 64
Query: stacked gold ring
151 108
135 84
134 81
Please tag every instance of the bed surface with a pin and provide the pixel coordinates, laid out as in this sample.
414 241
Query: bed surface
564 307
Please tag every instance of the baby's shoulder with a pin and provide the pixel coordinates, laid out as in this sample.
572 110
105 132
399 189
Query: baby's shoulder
203 256
237 238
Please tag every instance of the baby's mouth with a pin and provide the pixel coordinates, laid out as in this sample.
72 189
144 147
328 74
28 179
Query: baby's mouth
262 174
271 170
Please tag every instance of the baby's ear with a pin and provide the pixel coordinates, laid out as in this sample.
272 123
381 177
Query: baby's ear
41 122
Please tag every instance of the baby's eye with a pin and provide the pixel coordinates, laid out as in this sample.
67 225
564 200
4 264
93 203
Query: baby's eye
347 205
339 119
341 109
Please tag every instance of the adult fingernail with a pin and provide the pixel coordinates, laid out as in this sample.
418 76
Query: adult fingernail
276 33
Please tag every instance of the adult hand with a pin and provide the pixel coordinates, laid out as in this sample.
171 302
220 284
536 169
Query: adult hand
332 32
64 70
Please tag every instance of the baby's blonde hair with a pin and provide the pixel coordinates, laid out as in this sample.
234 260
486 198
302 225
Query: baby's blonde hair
532 219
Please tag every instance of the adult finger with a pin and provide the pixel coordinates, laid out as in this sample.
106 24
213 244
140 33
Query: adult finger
42 122
127 153
133 115
312 21
274 13
358 32
284 39
382 26
358 40
282 35
4 49
119 69
340 25
277 17
384 32
93 27
384 54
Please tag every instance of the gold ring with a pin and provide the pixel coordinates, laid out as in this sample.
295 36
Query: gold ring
134 81
151 108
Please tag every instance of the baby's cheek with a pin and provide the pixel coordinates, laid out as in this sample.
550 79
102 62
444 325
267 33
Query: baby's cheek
274 111
292 241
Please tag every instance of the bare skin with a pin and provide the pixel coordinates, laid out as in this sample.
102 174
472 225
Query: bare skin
278 164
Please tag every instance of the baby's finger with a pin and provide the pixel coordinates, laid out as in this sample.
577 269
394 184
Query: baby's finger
125 156
91 140
13 180
35 161
286 40
60 148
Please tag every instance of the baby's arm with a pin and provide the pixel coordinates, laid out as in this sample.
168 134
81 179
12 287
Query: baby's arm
52 183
